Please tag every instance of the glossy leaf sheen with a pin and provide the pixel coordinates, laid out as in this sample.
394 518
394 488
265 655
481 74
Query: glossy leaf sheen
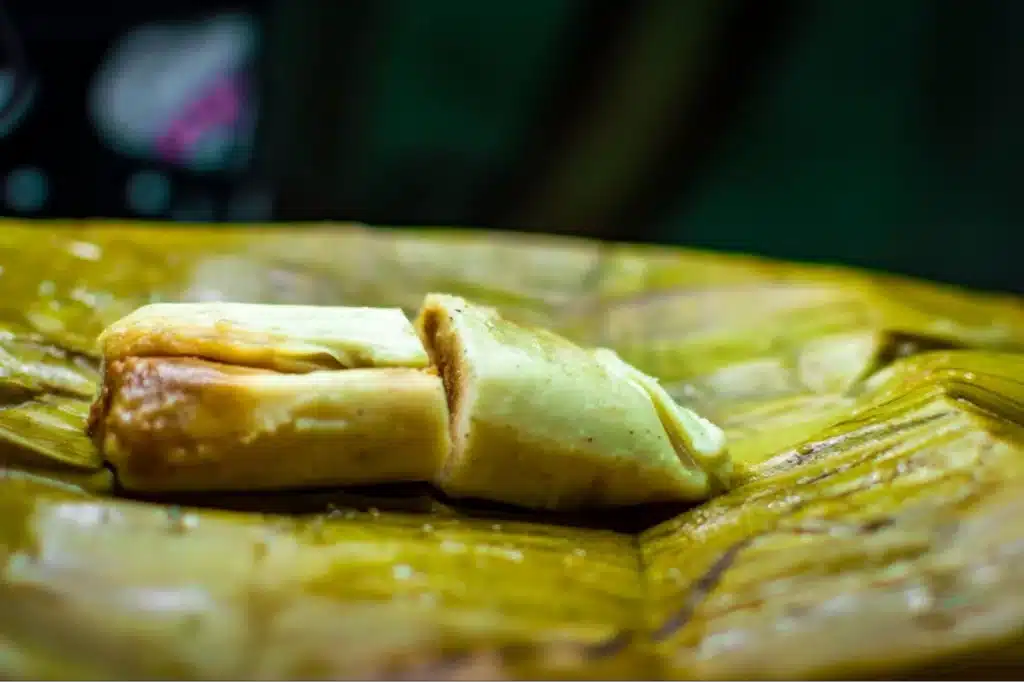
876 528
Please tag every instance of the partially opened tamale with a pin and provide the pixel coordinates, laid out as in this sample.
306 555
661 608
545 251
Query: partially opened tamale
873 527
240 397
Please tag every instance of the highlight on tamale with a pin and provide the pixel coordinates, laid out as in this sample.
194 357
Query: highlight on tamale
234 396
864 519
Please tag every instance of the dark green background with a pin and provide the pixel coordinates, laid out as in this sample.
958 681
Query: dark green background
885 134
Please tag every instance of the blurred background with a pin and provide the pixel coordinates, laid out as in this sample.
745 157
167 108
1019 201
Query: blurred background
869 132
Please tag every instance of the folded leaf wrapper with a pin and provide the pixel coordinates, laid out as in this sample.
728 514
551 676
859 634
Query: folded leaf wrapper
874 527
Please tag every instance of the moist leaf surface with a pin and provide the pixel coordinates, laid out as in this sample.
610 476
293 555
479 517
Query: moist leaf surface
876 531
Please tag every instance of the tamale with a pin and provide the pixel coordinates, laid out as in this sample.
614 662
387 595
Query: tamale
542 422
526 427
874 529
224 397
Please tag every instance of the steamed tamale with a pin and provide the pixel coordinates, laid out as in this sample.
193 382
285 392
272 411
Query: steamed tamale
874 529
205 397
227 397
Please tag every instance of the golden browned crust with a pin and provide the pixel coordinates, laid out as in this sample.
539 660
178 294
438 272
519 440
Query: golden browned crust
157 415
191 424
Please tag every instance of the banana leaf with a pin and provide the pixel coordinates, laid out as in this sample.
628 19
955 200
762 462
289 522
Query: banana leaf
875 530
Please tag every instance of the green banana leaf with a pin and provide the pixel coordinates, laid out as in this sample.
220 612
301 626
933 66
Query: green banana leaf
876 532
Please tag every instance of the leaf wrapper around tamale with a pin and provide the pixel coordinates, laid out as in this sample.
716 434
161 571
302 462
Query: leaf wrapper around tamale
43 398
874 530
48 429
541 422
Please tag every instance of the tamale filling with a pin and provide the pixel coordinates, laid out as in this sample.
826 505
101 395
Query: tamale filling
442 345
